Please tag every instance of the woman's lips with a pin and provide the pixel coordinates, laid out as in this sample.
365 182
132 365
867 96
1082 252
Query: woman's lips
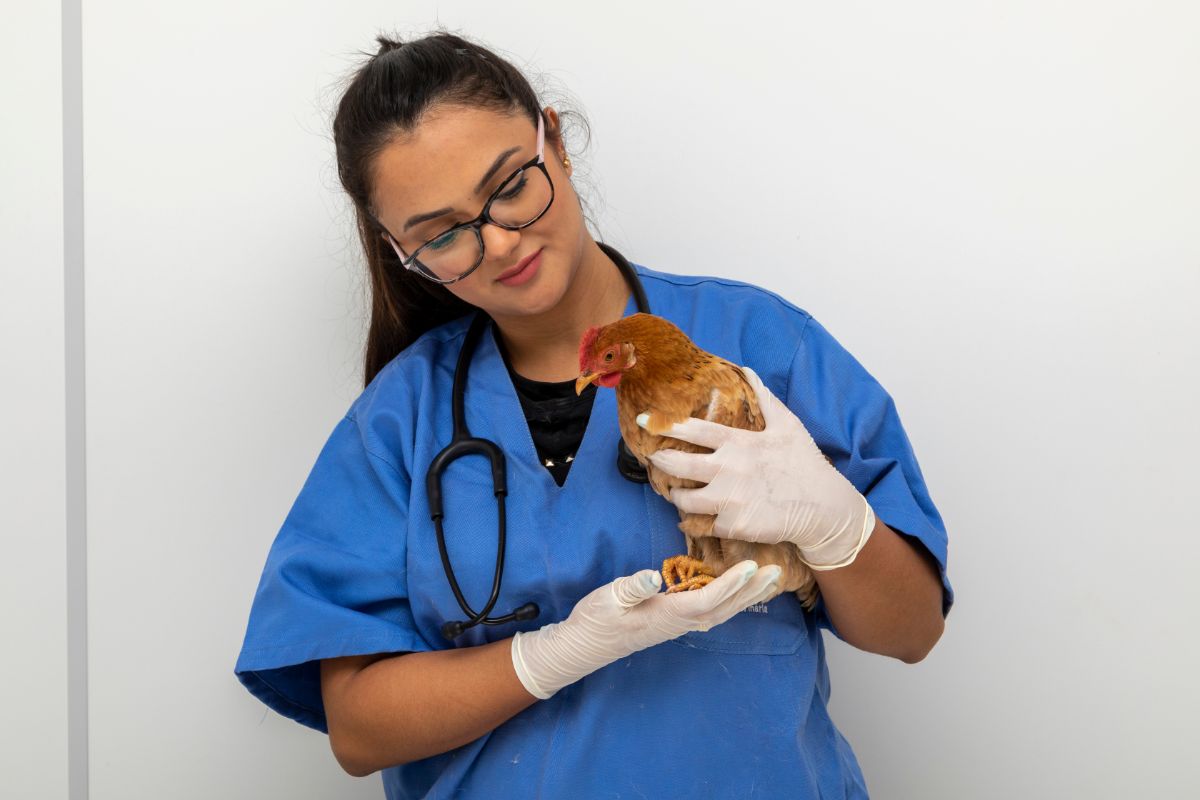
522 272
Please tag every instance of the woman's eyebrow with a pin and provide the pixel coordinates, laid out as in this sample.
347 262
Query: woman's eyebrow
416 219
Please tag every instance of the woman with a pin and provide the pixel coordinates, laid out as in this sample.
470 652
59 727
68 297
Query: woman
614 688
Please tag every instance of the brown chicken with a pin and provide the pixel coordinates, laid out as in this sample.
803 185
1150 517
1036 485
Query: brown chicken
656 368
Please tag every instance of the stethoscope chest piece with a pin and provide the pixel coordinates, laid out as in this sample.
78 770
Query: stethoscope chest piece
628 465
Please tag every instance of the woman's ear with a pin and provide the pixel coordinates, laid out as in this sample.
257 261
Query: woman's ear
553 131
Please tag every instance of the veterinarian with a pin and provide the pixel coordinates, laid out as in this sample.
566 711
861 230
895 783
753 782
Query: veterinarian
562 670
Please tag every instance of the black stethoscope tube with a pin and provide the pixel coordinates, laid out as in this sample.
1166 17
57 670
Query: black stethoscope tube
462 443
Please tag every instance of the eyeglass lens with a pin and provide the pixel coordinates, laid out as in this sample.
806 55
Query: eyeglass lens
519 201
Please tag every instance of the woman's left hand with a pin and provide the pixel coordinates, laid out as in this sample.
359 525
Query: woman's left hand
769 486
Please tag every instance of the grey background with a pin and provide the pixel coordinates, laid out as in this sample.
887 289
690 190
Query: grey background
993 206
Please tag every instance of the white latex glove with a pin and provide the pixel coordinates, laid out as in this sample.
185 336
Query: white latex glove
627 615
769 486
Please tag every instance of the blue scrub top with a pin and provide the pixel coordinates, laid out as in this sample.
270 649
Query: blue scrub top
736 711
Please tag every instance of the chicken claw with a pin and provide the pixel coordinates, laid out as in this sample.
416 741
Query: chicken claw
684 573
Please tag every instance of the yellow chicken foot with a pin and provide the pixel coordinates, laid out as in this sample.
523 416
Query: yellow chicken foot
684 573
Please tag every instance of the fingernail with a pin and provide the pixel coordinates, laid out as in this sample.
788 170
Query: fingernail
652 580
642 419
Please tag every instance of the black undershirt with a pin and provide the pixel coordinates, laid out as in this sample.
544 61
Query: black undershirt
556 417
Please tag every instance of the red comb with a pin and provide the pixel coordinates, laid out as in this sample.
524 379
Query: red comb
585 345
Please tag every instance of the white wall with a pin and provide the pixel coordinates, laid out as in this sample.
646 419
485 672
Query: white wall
994 207
33 471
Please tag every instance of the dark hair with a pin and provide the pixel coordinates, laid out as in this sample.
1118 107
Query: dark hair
386 97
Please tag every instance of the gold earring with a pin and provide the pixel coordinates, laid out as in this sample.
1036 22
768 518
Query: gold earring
566 162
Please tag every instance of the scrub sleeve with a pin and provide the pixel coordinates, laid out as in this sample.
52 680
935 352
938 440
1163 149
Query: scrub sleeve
334 582
854 421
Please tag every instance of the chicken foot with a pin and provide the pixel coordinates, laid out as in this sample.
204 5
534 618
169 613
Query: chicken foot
684 573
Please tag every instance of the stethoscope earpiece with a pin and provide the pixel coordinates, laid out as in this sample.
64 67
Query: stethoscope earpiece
527 611
452 630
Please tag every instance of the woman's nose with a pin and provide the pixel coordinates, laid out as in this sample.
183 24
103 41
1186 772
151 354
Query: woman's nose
498 243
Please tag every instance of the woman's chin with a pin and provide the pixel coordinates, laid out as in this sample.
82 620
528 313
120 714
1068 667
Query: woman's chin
540 296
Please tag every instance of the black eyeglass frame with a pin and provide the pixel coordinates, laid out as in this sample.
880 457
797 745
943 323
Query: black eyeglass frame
476 224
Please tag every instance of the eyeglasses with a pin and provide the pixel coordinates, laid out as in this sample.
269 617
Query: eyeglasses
521 200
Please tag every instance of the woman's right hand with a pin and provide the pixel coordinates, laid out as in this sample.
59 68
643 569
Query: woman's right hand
628 615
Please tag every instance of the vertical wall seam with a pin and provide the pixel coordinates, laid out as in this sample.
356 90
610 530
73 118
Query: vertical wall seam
75 400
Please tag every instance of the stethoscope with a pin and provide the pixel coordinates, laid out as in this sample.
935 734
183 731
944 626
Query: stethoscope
463 443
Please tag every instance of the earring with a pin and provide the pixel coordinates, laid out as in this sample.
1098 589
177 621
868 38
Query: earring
566 162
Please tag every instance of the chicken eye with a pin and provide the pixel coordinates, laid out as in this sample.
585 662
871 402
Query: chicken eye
608 357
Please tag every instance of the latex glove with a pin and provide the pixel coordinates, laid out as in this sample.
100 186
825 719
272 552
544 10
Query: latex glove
769 486
627 615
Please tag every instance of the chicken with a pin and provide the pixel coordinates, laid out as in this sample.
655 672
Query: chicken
656 368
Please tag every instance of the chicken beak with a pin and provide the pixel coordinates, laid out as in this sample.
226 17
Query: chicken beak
583 380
